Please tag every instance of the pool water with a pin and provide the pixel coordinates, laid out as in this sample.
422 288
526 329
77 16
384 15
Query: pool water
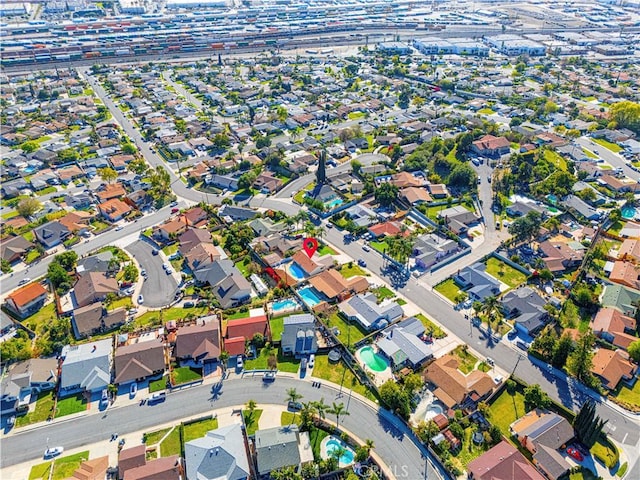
310 296
295 271
333 203
346 458
628 212
374 361
433 410
286 304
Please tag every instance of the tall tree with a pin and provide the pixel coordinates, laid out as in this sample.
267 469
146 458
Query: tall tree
339 410
107 174
588 425
580 361
28 206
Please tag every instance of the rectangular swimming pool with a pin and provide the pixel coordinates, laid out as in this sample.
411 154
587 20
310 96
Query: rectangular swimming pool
309 296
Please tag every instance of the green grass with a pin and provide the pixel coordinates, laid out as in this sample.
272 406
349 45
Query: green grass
42 317
431 327
260 362
243 267
350 333
251 420
288 418
315 438
99 226
449 289
400 301
46 191
383 293
168 314
326 250
505 273
121 302
199 429
583 474
32 255
614 147
506 409
466 358
351 270
622 470
182 375
170 249
42 470
171 444
469 450
237 315
287 364
589 153
606 453
69 405
42 409
486 111
277 327
630 395
555 158
8 215
379 245
616 227
152 438
355 115
333 372
64 467
157 385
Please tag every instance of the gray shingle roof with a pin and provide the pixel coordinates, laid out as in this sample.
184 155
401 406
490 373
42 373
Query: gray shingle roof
87 365
219 455
276 448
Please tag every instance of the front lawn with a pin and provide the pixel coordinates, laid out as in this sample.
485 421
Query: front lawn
449 289
182 375
380 246
505 273
351 270
32 255
42 410
583 474
630 395
506 409
158 317
171 444
198 429
40 471
334 372
276 325
486 111
467 361
152 438
261 361
64 467
431 327
349 333
288 418
614 147
121 302
288 364
606 453
69 405
170 249
158 385
326 250
251 420
383 293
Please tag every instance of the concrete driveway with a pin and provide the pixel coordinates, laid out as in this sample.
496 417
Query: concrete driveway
158 289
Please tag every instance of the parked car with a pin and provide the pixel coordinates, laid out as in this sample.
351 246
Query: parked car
169 271
165 266
140 299
157 398
312 360
188 305
53 452
303 364
133 389
239 362
175 210
362 263
490 361
269 376
294 406
154 251
24 281
575 454
365 248
143 272
119 227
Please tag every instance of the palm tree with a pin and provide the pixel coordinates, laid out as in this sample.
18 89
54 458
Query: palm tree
337 453
321 408
251 406
289 222
491 308
338 409
320 232
369 445
301 217
293 396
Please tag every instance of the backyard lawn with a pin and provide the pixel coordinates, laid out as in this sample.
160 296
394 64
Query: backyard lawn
41 318
183 375
351 270
199 429
555 158
276 325
239 314
506 409
349 333
469 450
630 395
157 317
287 418
171 444
243 266
466 358
334 372
251 420
449 289
69 405
614 147
315 438
431 327
505 273
43 408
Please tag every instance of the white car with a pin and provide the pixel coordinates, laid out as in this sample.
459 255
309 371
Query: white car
312 360
239 362
133 389
24 281
53 452
168 271
140 299
119 227
166 265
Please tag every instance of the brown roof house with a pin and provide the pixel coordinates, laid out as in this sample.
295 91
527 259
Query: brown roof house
13 249
198 344
629 250
543 433
626 273
94 287
415 195
455 389
138 361
170 229
27 300
502 462
114 209
133 465
615 327
613 366
93 318
336 287
558 256
95 469
192 238
491 146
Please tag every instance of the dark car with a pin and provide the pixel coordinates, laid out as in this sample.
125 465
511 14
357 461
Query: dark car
269 377
362 263
154 251
294 406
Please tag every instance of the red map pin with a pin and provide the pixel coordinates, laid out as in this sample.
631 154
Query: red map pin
310 246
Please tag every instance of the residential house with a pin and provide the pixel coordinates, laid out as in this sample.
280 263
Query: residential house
248 327
415 195
77 222
281 447
630 230
7 326
491 146
79 201
299 335
139 361
526 307
89 320
93 287
520 208
361 215
195 217
455 389
133 465
100 262
139 199
86 367
14 248
335 287
23 381
612 366
266 226
623 299
559 256
401 343
390 228
583 209
114 210
51 234
198 344
458 218
111 191
628 251
94 469
219 455
478 284
431 248
502 462
406 179
202 255
438 190
222 181
27 300
170 230
227 283
626 273
308 265
192 238
543 433
614 327
364 309
268 183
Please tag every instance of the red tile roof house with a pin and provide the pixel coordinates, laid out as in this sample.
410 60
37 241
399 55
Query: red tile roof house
248 327
138 361
27 300
613 366
235 346
502 462
626 273
133 465
491 146
195 217
170 230
114 209
615 327
198 344
390 229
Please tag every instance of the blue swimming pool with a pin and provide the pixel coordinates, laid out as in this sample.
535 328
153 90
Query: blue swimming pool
295 271
628 212
29 169
336 202
286 304
334 444
310 296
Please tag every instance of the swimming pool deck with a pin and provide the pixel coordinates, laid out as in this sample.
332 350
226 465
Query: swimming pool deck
378 377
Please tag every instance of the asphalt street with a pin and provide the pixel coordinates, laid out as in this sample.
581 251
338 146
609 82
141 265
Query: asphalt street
615 160
158 289
393 445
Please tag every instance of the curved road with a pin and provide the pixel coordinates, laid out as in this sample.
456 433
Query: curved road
392 443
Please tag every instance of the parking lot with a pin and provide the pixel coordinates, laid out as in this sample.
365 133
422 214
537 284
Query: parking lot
158 289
